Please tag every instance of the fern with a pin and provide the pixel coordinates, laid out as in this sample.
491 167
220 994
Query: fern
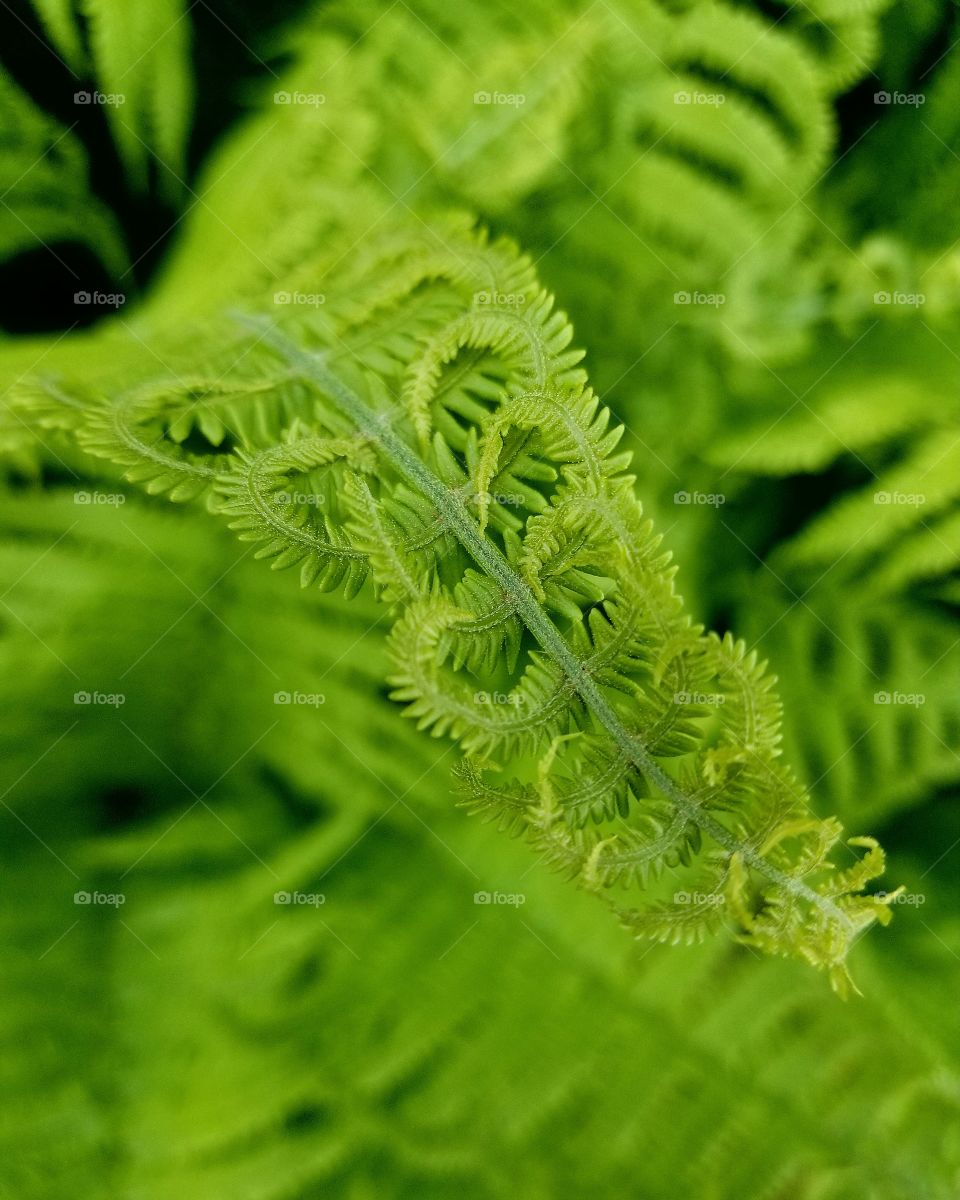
599 168
43 181
273 1004
137 58
481 546
886 543
140 54
316 1102
661 163
565 571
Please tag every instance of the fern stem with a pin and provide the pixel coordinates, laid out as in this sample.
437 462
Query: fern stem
490 559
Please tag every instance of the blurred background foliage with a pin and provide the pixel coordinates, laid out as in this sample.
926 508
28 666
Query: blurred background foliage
403 1042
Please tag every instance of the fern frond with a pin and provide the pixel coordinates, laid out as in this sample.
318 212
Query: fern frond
138 55
675 762
887 669
45 185
857 606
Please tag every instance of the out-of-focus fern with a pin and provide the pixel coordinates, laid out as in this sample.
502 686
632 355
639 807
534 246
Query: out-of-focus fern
858 600
44 186
841 34
135 57
298 1071
660 148
921 136
704 124
138 56
73 566
886 671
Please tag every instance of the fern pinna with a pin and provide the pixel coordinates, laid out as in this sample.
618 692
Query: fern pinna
422 422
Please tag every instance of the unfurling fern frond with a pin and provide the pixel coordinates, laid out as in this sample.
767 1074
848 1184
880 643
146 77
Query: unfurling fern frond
536 622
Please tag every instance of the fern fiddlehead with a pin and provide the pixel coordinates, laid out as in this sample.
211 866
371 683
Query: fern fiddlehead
536 618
